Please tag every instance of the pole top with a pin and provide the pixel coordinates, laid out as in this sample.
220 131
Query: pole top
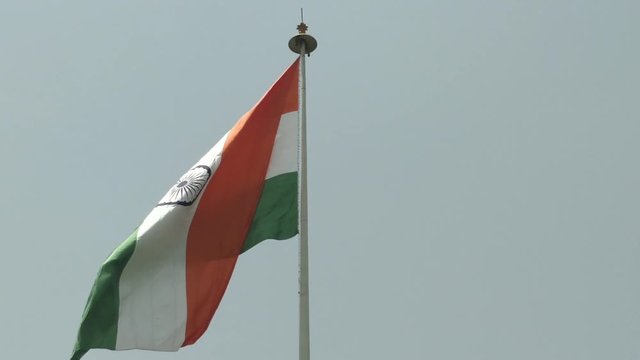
295 43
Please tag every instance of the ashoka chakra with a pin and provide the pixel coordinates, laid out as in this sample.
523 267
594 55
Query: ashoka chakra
187 189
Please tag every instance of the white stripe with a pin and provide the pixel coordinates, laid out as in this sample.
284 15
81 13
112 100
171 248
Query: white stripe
153 297
284 157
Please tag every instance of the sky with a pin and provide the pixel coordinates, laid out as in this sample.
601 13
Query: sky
473 171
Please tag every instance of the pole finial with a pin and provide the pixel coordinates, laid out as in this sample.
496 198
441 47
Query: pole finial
295 43
302 28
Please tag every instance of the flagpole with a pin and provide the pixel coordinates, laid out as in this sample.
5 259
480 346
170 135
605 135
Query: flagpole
303 44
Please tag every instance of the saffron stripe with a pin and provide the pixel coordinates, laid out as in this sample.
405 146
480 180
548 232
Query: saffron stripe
228 204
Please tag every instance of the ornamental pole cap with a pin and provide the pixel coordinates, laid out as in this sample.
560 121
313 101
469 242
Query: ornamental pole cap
295 43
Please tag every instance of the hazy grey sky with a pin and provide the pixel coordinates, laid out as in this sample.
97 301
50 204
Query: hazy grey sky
473 171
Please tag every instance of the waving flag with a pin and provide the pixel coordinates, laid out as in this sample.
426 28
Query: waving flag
160 288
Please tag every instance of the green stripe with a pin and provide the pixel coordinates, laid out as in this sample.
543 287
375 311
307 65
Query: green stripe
277 212
99 327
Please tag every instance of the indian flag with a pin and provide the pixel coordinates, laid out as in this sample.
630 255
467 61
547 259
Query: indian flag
160 288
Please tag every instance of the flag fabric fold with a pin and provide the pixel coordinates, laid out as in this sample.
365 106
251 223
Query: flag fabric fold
161 287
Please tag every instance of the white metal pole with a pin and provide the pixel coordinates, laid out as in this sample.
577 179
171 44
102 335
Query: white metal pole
303 44
303 276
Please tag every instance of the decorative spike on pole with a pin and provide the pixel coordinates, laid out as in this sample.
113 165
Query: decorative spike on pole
302 44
